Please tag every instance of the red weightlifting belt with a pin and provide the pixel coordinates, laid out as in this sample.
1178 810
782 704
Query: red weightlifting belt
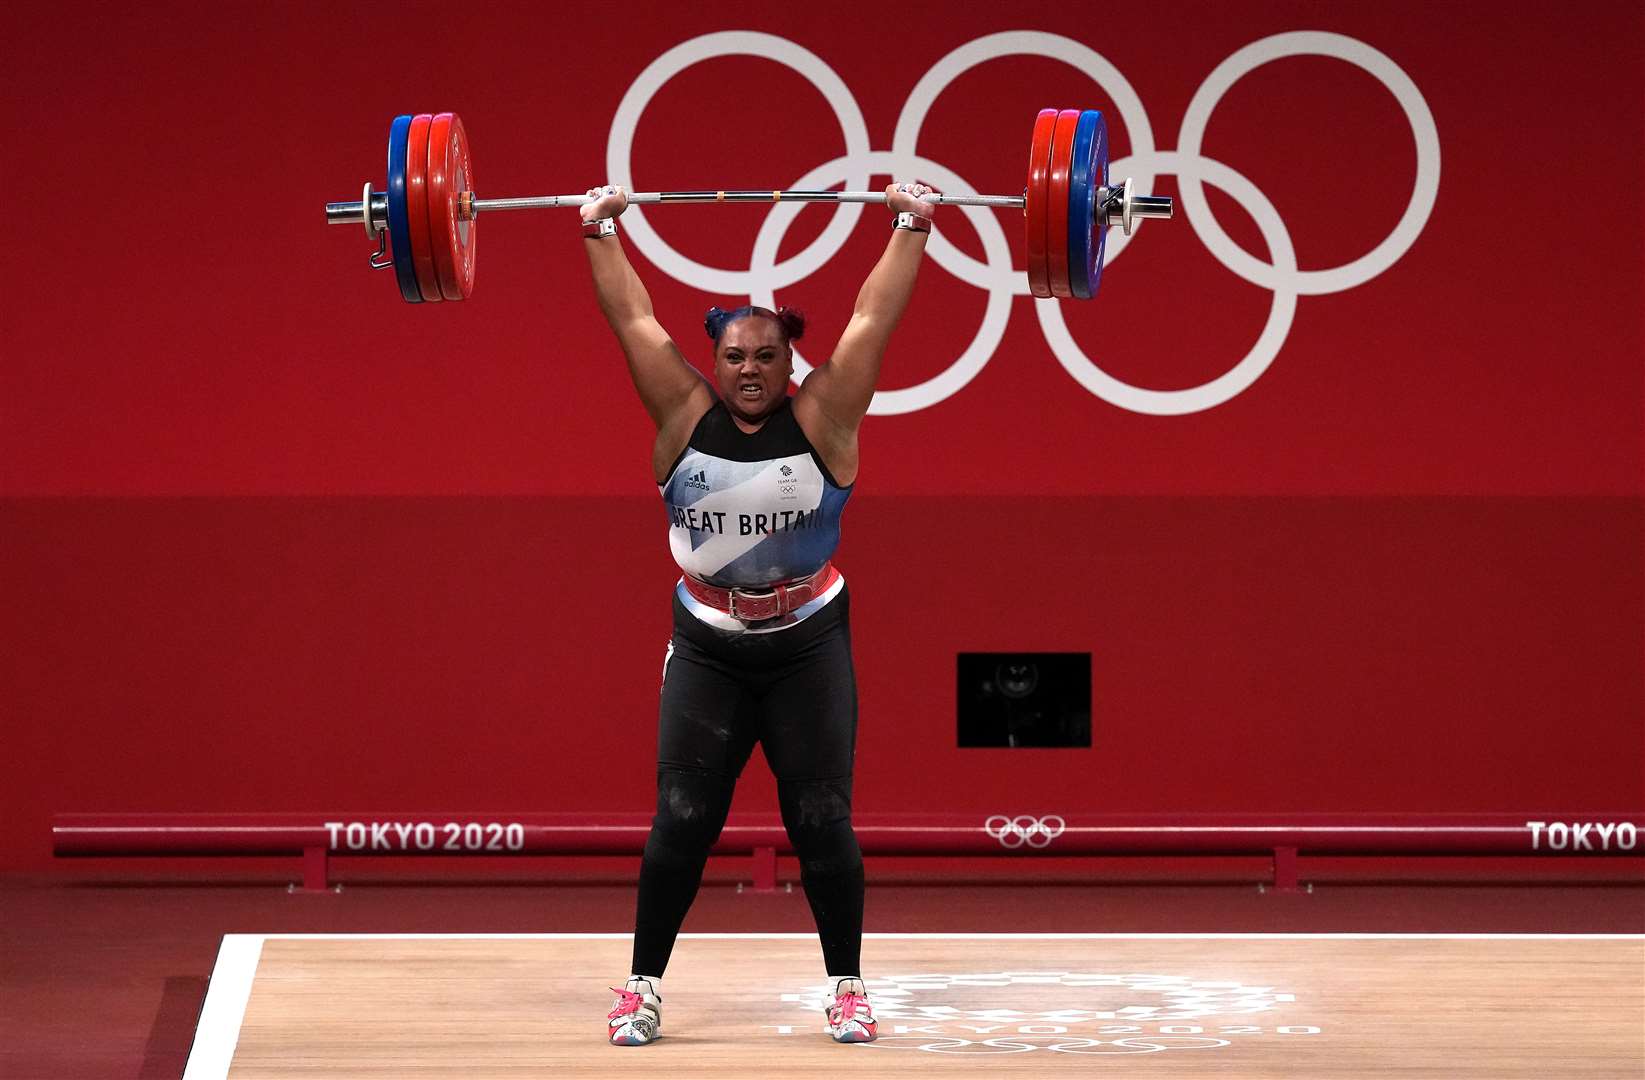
780 599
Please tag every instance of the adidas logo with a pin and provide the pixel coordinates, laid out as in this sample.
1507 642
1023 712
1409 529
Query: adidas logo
698 479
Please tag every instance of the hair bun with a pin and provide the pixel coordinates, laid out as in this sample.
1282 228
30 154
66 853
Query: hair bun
792 322
714 322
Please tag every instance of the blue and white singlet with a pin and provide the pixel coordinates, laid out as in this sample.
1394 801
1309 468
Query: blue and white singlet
747 509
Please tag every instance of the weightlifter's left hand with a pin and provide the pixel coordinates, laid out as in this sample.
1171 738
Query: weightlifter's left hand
609 202
905 199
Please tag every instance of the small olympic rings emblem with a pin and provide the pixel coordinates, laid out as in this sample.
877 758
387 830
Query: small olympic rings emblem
1027 829
996 275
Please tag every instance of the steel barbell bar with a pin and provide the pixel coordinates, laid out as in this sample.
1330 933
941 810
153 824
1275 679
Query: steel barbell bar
1113 200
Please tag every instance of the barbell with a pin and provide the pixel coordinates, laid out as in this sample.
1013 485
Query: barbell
425 224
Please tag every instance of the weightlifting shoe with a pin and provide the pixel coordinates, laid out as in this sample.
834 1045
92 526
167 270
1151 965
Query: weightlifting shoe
637 1016
851 1017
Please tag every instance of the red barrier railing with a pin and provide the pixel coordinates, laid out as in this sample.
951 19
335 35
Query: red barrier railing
316 837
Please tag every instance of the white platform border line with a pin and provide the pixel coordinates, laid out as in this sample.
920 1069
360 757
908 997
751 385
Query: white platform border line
218 1033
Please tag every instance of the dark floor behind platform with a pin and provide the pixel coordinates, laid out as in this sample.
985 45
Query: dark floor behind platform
103 977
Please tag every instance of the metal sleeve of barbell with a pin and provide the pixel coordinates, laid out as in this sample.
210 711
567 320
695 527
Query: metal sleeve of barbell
1155 206
352 213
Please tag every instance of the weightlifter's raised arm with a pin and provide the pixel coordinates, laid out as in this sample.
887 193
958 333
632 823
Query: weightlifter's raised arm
835 397
670 388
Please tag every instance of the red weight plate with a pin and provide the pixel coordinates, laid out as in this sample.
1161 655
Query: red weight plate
1034 212
422 252
450 175
439 205
1056 201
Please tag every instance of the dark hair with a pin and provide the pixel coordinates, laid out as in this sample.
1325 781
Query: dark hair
791 322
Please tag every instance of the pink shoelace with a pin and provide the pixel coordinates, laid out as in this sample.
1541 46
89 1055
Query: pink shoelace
845 1006
627 1002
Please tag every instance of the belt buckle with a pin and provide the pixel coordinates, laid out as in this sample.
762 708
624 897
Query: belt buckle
731 603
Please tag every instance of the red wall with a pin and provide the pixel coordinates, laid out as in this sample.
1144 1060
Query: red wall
1399 571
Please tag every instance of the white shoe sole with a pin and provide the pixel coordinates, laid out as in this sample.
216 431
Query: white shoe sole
853 1032
631 1035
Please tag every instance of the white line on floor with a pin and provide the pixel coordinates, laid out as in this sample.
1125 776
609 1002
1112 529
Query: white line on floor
225 1007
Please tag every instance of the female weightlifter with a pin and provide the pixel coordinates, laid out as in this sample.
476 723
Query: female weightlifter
755 480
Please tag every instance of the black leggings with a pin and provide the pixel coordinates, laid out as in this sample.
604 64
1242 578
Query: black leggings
795 693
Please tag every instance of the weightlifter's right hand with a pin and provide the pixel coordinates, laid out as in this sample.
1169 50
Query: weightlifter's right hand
608 202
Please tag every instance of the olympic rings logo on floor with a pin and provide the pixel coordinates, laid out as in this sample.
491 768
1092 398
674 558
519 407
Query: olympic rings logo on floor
1149 997
1073 1012
1027 829
1060 1044
997 276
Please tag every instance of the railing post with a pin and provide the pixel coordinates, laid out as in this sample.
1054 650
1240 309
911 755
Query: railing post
765 869
316 870
1285 869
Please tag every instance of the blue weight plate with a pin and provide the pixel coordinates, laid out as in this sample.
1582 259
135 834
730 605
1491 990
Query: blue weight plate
399 221
1086 233
1081 207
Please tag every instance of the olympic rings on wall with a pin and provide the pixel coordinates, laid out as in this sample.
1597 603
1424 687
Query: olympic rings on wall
1027 829
996 275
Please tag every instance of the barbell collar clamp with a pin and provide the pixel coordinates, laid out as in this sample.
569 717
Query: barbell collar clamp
1123 207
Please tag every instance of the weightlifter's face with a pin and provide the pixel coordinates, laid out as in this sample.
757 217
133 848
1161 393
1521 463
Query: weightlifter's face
752 366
